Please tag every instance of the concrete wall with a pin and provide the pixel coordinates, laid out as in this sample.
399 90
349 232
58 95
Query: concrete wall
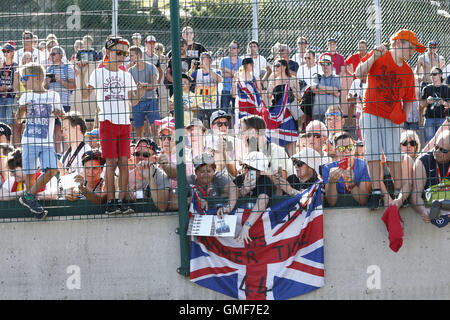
137 258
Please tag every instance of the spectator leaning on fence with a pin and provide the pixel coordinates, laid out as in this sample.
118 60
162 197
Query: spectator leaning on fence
74 129
347 175
39 108
386 106
115 91
431 172
306 163
91 185
5 149
210 184
254 183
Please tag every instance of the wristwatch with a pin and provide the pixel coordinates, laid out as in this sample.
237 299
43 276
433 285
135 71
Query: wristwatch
248 224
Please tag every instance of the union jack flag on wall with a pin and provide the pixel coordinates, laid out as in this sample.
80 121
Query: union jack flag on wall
284 260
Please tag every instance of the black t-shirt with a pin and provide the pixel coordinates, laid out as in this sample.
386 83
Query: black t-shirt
7 79
297 184
434 110
185 66
430 164
263 185
193 51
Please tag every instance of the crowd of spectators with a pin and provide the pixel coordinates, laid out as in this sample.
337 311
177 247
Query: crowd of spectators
91 126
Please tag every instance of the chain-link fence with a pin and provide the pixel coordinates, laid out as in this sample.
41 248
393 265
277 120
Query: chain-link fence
216 24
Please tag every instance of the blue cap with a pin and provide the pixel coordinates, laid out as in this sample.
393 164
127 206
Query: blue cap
94 132
440 222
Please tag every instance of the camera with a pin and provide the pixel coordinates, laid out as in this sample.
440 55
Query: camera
51 76
196 63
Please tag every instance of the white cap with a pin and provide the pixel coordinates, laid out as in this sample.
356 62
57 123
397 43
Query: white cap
325 58
257 160
150 38
311 157
136 35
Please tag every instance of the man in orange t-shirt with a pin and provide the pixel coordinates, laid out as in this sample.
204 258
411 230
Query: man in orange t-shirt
387 102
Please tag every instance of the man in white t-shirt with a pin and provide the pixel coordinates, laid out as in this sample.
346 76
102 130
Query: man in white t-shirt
116 92
261 69
302 46
307 71
27 38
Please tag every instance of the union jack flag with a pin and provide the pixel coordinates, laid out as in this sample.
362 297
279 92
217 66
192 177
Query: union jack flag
249 100
284 260
280 125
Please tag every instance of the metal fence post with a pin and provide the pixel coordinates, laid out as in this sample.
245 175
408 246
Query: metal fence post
115 9
255 21
378 21
179 137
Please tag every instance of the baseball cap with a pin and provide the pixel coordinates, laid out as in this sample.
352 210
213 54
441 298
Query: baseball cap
409 35
9 46
136 35
311 157
149 142
331 40
93 154
150 38
441 222
218 114
196 122
325 58
166 123
201 159
432 43
93 132
257 160
247 60
5 130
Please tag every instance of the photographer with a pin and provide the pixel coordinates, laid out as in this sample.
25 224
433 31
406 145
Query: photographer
147 179
435 101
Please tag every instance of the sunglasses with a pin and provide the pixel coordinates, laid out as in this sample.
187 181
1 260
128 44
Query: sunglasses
122 53
143 154
162 138
326 63
442 150
299 163
221 124
315 135
54 53
412 143
278 65
434 73
307 58
350 147
336 114
6 51
25 77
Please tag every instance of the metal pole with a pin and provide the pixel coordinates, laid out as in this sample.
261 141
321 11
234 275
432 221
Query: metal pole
115 9
179 138
378 21
255 21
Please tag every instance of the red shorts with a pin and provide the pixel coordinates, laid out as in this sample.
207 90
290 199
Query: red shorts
115 139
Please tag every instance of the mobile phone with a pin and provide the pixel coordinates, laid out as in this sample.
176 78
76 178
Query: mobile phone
51 76
343 163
